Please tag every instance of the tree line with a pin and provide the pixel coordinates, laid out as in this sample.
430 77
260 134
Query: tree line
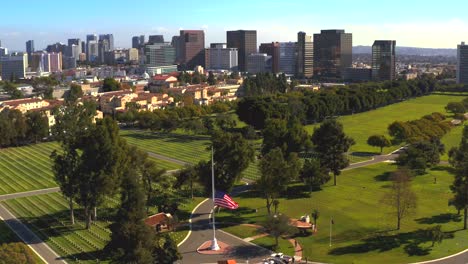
18 129
311 107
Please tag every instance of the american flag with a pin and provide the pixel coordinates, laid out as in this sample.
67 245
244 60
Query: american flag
223 200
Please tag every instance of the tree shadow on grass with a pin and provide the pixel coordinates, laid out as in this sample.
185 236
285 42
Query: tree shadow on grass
444 168
297 192
381 243
383 177
247 251
96 256
440 219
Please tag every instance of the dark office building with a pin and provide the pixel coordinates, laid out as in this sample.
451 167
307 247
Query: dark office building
29 49
383 60
153 39
333 53
136 42
74 41
192 48
177 45
109 38
273 50
305 56
246 43
83 47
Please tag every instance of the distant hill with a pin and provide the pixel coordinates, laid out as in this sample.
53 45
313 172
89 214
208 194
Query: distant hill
411 51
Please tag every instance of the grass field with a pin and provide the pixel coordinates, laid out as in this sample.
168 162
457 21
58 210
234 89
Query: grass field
48 216
186 148
361 126
364 229
452 139
26 168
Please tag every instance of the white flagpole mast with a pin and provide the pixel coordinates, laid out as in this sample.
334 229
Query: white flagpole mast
214 245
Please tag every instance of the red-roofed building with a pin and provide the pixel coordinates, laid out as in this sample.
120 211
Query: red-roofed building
160 222
159 82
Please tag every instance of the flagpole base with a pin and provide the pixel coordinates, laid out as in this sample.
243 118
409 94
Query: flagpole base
214 245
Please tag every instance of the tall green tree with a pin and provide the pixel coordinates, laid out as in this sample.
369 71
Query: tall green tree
75 93
379 141
38 125
166 251
232 155
132 241
102 163
459 160
331 144
73 122
421 155
278 225
20 126
276 173
290 136
313 175
110 84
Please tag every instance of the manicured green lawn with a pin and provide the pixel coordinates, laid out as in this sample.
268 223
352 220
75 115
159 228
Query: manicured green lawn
452 139
361 126
284 246
48 216
26 168
242 231
364 228
181 147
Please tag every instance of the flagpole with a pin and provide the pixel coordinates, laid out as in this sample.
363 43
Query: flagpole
331 224
214 245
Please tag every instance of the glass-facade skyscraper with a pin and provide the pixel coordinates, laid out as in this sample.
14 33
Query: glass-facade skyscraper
383 60
462 63
333 53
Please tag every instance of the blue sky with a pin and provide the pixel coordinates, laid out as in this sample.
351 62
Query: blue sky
419 23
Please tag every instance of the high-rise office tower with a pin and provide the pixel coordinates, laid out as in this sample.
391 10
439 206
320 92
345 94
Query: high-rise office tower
333 53
219 57
177 45
258 63
153 39
103 47
14 66
272 49
0 43
29 46
29 49
136 42
159 54
305 56
83 47
109 38
287 59
462 63
92 50
245 41
142 40
74 41
192 46
383 60
90 38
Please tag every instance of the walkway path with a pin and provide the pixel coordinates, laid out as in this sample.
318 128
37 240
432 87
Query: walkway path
27 194
34 242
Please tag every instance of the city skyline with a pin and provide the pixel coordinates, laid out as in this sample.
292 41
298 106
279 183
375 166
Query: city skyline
414 24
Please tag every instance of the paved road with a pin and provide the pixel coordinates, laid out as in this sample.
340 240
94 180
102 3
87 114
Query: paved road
27 194
202 232
460 258
23 232
374 160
